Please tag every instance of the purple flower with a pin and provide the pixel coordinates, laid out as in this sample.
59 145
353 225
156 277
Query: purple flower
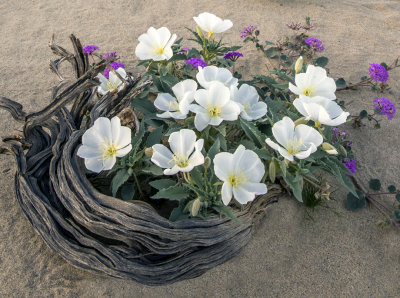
249 30
196 62
385 106
184 50
233 56
294 26
90 49
342 136
315 44
109 55
350 164
378 73
114 65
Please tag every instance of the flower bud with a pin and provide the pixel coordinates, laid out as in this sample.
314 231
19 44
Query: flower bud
257 32
329 148
272 171
301 120
299 64
148 152
199 32
207 162
342 150
195 207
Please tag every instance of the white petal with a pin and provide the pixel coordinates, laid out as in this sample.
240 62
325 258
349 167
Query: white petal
115 129
125 137
230 111
256 188
103 127
124 151
162 157
308 135
196 159
243 196
201 121
175 169
306 153
182 141
109 163
89 152
223 165
165 102
226 193
92 138
283 130
94 164
183 87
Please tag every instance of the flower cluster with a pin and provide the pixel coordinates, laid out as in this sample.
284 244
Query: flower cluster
248 31
385 106
114 65
196 62
233 56
315 44
109 55
350 164
378 73
90 49
298 26
340 135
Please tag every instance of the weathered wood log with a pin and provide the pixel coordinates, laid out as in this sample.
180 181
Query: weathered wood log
97 232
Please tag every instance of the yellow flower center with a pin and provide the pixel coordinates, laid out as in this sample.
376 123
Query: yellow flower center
214 111
109 149
246 105
309 91
174 106
293 146
236 179
159 51
180 160
112 85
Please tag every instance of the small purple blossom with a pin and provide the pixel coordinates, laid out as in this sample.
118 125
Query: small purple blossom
114 65
378 73
90 49
248 31
109 55
298 26
184 51
385 106
233 56
196 62
342 136
315 44
350 164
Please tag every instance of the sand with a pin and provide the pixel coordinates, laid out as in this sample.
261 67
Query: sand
289 256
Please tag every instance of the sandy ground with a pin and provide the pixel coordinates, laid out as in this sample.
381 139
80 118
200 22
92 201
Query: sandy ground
289 255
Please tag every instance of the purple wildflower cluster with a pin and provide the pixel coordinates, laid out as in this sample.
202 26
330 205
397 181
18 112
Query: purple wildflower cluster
315 44
90 49
248 31
337 134
109 55
114 65
233 56
184 51
350 164
196 62
298 26
385 106
378 73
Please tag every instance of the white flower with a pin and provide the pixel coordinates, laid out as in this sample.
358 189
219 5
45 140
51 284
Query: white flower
247 98
209 74
155 44
314 82
181 159
211 24
299 141
329 148
214 106
103 142
241 173
176 107
321 110
111 84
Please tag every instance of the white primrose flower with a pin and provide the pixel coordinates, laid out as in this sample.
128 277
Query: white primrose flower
155 44
241 173
211 24
103 142
299 141
247 98
176 107
214 106
321 110
209 74
112 83
314 82
182 158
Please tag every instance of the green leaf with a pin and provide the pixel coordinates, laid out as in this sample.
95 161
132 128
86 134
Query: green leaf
398 197
321 61
214 149
252 132
397 214
363 114
227 211
385 65
177 213
263 153
355 203
282 166
375 184
341 83
271 52
153 170
295 184
128 192
392 188
162 183
154 137
172 128
144 106
197 177
120 178
175 193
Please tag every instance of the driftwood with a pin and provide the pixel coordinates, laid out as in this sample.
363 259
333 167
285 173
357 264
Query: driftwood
94 231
